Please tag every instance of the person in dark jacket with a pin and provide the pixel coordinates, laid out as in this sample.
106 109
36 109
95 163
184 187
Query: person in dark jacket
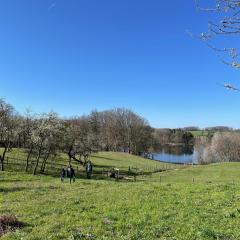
71 174
89 169
63 174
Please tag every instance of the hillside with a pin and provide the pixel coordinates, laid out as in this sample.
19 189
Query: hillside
175 208
212 173
102 161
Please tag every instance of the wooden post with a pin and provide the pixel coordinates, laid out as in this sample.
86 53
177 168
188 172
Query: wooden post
193 180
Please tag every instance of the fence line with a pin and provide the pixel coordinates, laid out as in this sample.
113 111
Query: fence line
54 166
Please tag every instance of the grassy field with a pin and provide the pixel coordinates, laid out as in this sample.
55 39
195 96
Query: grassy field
102 161
175 208
201 133
214 173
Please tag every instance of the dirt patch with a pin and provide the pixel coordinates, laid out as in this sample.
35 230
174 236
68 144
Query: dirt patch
9 223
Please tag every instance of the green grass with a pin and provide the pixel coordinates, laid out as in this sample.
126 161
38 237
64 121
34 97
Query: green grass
213 173
102 161
123 161
175 208
201 133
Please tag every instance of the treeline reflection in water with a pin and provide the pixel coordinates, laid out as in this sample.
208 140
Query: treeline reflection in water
175 154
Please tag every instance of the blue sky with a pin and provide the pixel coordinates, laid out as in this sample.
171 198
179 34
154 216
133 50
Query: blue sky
73 56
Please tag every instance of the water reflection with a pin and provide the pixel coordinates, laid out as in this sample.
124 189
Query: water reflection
175 154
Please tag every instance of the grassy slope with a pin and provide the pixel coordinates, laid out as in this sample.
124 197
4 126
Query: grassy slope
102 161
200 133
123 161
214 173
176 208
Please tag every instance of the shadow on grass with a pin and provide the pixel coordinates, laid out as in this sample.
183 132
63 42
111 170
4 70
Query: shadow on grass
80 174
13 189
15 180
107 158
19 189
98 173
104 167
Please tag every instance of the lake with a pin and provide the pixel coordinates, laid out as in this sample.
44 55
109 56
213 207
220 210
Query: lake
175 154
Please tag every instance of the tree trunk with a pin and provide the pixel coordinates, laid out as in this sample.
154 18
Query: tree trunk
69 159
129 147
2 165
77 160
41 170
44 162
44 166
3 157
37 160
85 159
28 157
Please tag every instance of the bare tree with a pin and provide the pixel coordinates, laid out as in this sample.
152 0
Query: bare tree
81 138
8 127
222 147
119 130
44 136
227 23
226 146
203 150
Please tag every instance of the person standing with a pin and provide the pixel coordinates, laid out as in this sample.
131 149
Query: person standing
71 174
62 174
89 169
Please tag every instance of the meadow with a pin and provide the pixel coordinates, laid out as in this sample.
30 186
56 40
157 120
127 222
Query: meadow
191 202
201 133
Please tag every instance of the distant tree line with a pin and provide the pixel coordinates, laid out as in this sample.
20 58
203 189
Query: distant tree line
44 136
191 128
173 136
219 129
211 129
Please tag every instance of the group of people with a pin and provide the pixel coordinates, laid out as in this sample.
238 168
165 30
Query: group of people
70 173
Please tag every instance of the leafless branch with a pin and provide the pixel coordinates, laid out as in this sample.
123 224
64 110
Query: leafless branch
227 25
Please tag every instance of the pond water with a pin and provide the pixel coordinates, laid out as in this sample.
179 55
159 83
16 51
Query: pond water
175 154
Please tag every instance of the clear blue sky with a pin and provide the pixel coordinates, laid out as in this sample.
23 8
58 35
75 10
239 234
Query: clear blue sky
73 56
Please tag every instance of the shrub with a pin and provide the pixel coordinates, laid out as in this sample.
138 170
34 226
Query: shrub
226 146
223 147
